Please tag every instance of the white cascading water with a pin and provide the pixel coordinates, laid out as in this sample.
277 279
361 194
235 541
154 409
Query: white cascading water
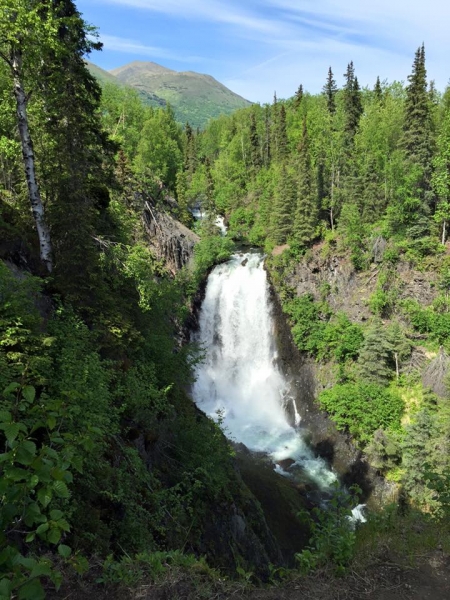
239 379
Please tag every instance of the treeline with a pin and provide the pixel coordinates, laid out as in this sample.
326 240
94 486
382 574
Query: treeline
294 170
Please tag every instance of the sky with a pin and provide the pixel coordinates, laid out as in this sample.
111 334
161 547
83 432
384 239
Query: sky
258 47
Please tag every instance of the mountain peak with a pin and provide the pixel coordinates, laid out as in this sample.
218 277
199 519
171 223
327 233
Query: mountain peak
140 66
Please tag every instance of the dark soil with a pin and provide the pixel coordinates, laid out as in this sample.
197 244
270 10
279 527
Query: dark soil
427 579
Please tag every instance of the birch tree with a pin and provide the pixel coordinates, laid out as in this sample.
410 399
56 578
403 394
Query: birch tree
26 26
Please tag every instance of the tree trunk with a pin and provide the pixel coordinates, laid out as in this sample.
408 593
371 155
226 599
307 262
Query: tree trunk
397 370
28 160
444 232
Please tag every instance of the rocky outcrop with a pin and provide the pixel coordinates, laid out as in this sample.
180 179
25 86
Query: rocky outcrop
319 431
334 278
171 241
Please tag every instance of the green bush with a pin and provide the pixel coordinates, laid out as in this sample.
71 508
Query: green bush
324 335
333 535
428 321
210 251
362 408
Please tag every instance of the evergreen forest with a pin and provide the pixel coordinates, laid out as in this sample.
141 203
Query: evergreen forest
108 470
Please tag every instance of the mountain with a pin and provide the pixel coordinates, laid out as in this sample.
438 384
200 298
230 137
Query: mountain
105 77
195 97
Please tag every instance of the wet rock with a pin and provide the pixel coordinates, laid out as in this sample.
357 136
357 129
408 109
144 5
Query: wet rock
318 429
285 463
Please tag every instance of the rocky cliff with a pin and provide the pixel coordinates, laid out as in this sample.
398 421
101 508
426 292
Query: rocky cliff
171 241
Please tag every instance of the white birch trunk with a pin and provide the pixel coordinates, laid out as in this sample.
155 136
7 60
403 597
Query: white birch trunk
37 207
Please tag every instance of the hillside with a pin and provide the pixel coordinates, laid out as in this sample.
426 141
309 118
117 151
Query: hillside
105 77
195 98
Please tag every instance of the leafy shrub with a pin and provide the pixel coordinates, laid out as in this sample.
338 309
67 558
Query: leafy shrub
428 321
323 335
333 534
362 408
210 251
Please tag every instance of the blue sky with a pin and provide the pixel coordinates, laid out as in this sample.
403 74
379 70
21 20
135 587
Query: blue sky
258 47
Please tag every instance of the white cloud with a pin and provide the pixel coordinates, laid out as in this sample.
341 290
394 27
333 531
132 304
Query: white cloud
119 44
210 10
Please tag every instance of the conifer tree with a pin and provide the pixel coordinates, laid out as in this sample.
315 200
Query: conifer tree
352 103
417 454
76 192
330 90
375 355
283 206
298 97
306 213
281 140
190 158
378 92
267 137
417 140
254 143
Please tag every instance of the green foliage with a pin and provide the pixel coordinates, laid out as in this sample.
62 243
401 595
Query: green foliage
428 321
152 567
211 250
333 534
35 473
362 408
375 357
384 451
241 223
159 150
316 331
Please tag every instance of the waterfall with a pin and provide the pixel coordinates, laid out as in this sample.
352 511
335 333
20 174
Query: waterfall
239 381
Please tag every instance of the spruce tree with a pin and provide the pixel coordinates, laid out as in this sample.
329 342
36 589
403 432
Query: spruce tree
378 92
352 103
330 90
281 139
375 356
418 454
283 207
417 139
77 190
306 214
254 143
298 97
190 158
267 137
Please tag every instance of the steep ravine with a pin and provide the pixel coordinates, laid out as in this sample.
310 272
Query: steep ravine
319 430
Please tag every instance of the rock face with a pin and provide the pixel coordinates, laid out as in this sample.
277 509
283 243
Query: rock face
318 429
335 279
170 240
